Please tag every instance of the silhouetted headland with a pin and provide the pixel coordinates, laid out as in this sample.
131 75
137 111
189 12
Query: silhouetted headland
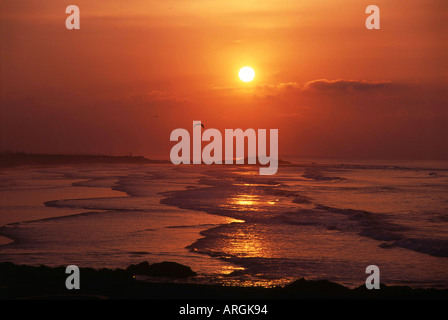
25 159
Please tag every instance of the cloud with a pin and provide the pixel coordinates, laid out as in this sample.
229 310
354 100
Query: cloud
278 89
324 85
346 85
280 86
288 86
320 86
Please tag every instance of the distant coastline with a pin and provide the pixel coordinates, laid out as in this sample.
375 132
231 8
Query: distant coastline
9 159
26 159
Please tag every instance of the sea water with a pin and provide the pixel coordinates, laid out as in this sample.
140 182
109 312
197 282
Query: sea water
317 219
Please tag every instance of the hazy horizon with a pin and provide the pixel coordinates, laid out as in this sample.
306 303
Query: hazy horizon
287 157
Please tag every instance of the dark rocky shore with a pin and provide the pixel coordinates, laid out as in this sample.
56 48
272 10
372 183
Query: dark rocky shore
29 282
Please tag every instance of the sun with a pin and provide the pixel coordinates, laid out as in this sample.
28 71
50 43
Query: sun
247 74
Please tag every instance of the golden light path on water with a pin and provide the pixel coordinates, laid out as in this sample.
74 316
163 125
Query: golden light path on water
250 201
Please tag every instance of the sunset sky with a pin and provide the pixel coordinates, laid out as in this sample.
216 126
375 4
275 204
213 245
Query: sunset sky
138 69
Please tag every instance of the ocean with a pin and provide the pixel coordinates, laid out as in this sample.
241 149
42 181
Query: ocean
316 219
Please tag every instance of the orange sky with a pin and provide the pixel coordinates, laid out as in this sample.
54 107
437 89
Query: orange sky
138 69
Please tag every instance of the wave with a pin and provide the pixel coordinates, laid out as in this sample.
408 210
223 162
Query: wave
434 247
377 226
318 175
191 226
372 166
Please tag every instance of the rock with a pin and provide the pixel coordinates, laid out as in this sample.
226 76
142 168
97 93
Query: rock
316 288
162 269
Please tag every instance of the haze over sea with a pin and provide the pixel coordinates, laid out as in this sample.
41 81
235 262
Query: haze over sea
318 219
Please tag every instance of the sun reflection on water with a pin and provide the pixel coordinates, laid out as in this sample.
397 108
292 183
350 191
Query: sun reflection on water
249 202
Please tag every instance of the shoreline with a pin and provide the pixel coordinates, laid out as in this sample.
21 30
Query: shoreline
46 283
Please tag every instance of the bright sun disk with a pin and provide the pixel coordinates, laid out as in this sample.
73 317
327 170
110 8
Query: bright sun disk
246 74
